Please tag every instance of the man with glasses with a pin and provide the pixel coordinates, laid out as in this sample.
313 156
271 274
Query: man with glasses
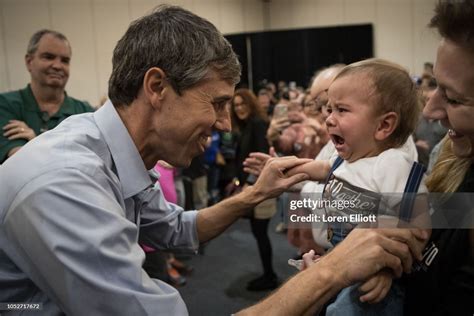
320 86
43 104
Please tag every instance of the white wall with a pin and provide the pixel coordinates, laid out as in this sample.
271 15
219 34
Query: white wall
400 32
94 26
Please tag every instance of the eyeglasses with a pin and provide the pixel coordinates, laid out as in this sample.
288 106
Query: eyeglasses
319 102
242 104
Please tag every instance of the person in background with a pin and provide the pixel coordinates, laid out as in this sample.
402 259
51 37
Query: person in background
265 101
213 160
428 132
249 126
159 264
272 90
44 103
228 166
428 69
195 182
295 133
282 85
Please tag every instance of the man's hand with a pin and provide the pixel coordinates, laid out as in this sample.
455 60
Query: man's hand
255 162
18 130
273 180
365 252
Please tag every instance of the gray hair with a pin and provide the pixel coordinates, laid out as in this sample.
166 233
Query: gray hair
185 46
34 40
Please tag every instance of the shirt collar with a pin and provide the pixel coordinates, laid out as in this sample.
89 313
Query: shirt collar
130 167
66 108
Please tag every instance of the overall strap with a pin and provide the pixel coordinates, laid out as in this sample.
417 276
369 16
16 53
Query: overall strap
411 188
337 163
334 166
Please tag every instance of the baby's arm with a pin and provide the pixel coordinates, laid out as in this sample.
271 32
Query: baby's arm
376 288
317 170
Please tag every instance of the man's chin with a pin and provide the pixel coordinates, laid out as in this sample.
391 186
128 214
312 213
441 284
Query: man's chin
57 84
181 163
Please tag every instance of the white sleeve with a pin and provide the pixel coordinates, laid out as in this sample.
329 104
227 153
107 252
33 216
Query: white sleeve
390 174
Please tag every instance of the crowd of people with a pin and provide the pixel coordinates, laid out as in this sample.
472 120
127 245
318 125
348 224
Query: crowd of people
92 205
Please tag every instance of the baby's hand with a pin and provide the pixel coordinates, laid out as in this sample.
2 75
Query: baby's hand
376 288
317 170
308 260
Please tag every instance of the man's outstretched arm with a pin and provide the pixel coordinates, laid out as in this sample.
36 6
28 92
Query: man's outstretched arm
272 182
363 253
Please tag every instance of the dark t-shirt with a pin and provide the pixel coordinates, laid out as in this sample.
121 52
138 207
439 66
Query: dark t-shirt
252 138
21 105
447 285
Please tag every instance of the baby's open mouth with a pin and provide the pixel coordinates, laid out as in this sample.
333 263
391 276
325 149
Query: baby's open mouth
338 140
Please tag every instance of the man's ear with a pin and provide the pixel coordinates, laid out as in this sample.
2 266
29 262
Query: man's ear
155 85
28 59
386 125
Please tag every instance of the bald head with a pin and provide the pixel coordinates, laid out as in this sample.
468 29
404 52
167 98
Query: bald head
321 83
324 79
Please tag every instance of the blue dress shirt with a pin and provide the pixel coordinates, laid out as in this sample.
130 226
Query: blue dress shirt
75 203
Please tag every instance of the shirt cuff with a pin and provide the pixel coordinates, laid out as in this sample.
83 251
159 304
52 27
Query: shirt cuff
191 218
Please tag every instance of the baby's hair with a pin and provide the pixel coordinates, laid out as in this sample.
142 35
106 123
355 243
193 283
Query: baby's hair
393 90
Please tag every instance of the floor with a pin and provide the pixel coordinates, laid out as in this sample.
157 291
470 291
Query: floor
217 283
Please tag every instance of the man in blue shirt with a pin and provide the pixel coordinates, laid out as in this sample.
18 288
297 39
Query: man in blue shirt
76 202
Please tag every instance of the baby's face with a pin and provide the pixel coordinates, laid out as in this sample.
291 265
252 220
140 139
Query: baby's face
352 122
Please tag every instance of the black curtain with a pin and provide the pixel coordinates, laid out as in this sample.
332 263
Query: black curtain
239 45
294 55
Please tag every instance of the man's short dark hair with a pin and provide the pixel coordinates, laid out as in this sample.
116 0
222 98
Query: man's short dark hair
35 38
454 20
185 46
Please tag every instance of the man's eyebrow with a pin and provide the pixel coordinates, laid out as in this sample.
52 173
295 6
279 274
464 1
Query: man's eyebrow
222 98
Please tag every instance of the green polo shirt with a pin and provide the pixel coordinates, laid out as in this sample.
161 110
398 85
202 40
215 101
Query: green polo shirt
21 105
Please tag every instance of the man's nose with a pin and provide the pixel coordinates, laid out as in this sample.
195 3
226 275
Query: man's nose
57 64
223 122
